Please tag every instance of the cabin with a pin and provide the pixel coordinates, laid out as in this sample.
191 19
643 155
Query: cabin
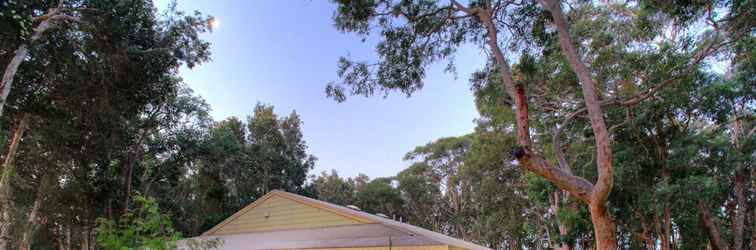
282 220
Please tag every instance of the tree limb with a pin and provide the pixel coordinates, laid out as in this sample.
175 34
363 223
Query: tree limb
602 221
576 186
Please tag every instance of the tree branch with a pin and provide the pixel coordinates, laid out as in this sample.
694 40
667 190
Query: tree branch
576 186
711 228
593 106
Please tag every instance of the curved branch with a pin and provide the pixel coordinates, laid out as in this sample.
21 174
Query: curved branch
593 106
576 186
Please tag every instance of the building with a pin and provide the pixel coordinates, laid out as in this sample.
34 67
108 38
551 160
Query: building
282 220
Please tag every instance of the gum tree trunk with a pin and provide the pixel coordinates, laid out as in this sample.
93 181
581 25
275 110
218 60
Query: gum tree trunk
6 204
32 220
603 224
711 228
738 221
576 186
20 54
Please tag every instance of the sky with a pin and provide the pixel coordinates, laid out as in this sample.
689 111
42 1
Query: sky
283 53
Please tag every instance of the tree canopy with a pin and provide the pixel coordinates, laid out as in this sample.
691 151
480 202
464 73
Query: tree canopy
598 96
602 125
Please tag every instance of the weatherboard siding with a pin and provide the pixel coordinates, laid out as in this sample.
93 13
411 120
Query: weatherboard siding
278 213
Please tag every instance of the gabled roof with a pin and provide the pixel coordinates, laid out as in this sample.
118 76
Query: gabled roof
370 230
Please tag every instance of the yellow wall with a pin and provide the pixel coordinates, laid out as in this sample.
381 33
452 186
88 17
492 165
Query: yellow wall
438 247
283 214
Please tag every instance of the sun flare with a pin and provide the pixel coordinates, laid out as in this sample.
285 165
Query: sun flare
214 23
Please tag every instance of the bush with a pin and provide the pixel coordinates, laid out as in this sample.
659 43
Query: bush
143 228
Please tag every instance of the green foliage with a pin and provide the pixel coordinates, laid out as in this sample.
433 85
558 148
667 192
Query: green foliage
675 81
406 49
238 162
380 196
334 189
144 227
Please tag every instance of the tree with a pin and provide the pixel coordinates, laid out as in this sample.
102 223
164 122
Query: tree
281 149
423 195
441 161
334 189
416 34
240 161
381 196
38 25
84 89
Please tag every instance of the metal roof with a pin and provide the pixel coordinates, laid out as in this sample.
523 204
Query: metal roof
379 231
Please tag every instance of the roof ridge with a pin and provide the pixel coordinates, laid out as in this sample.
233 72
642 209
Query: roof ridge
436 236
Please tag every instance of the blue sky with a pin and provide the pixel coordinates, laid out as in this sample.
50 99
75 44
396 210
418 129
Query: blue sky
284 53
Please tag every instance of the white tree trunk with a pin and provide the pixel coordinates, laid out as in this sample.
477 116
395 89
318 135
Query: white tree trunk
21 52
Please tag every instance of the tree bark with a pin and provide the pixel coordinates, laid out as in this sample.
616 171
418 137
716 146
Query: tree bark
516 92
648 237
665 233
753 209
574 185
85 238
602 222
711 228
578 187
738 224
664 227
134 153
6 202
740 211
603 226
21 53
68 238
10 72
31 221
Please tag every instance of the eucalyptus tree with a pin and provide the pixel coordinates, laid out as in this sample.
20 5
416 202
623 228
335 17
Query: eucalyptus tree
281 150
332 188
424 197
414 35
86 87
26 23
380 195
441 161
